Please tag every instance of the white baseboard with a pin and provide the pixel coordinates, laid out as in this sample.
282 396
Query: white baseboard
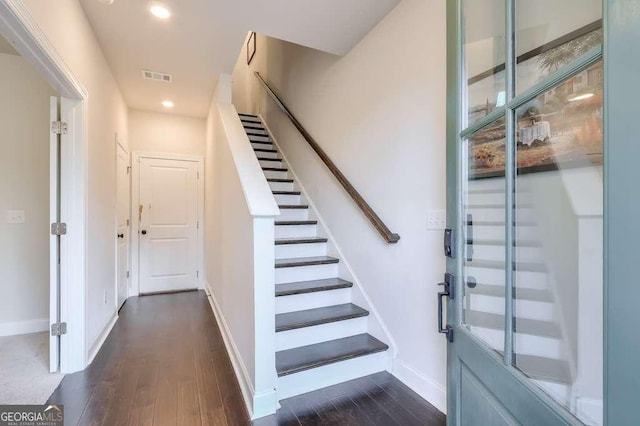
433 392
15 328
95 348
258 405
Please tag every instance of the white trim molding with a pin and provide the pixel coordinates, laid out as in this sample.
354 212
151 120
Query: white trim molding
15 328
433 392
258 405
93 351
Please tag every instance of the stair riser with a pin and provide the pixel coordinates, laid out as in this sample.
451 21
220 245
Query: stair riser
481 232
278 175
259 145
287 199
285 251
523 254
250 119
332 374
267 154
295 231
320 333
523 343
269 163
524 279
293 214
306 273
254 138
559 391
260 131
497 214
542 311
281 186
320 299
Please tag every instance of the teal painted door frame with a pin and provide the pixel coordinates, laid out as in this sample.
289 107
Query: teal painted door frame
509 393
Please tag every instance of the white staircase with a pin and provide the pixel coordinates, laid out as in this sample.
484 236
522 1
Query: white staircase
321 337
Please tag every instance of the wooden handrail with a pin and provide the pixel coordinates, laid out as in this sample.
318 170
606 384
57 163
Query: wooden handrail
375 220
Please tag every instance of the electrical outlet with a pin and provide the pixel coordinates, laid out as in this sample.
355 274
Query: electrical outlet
437 219
15 216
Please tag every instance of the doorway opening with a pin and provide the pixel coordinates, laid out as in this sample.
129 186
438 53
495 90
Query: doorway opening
29 176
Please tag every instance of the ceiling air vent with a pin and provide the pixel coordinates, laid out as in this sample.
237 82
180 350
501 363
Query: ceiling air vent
157 76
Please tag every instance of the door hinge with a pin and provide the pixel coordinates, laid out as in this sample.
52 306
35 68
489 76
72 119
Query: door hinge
128 222
59 127
59 228
128 169
198 175
58 329
128 274
197 274
198 225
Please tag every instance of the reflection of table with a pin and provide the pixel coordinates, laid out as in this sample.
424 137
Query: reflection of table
540 131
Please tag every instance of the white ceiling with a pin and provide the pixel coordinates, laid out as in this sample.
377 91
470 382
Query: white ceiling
204 37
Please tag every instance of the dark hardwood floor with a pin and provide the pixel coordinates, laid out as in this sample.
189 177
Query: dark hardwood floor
165 363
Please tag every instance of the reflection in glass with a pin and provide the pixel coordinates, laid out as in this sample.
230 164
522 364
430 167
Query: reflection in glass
558 249
484 266
550 34
484 56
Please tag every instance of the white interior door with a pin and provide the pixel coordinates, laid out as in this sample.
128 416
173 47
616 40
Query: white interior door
168 221
123 224
54 250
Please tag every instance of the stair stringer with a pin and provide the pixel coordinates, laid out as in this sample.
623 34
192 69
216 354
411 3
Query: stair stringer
376 326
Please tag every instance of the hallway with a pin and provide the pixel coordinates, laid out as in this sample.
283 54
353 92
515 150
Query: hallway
165 363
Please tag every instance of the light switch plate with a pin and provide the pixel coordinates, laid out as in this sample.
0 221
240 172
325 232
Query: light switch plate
437 219
15 216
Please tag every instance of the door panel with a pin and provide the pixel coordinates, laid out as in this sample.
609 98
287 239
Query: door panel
123 224
168 225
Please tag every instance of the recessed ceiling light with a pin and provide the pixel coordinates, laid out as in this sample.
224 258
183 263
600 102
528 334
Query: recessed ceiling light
160 12
581 97
167 104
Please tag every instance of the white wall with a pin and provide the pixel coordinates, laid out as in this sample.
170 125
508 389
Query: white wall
166 133
24 185
379 113
67 28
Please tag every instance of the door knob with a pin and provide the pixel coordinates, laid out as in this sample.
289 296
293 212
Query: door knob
120 235
143 232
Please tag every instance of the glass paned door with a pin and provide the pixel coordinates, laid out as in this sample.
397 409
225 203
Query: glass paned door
527 195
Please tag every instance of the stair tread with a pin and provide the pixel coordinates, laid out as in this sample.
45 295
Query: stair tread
270 159
261 142
520 293
317 316
305 261
312 286
304 358
253 126
242 114
303 240
259 135
275 169
295 222
522 325
293 206
286 192
281 180
498 264
273 151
